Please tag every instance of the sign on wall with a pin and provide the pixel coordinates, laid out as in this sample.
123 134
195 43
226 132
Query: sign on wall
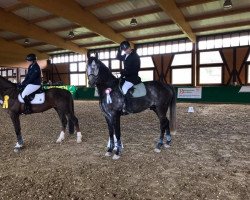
189 93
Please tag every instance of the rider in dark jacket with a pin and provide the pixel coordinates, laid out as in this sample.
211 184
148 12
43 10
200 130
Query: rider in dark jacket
132 65
32 81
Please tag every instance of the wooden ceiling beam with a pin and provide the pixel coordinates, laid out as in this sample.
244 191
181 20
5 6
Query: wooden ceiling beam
176 15
15 24
72 11
103 4
189 19
16 52
193 3
135 13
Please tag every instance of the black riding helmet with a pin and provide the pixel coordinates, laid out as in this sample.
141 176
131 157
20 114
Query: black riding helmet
124 45
31 57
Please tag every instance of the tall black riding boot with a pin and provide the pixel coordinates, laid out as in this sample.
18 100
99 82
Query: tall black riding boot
124 110
27 105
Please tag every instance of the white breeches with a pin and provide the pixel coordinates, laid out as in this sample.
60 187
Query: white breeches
126 86
30 88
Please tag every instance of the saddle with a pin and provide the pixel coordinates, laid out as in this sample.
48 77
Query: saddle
37 97
136 91
134 94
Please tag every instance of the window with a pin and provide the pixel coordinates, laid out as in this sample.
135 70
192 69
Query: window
175 47
182 76
223 41
235 40
182 46
168 48
182 59
150 50
115 64
244 39
113 54
210 75
77 79
210 57
71 58
218 42
189 46
73 67
82 66
202 44
146 62
162 48
156 49
145 50
210 43
105 62
146 75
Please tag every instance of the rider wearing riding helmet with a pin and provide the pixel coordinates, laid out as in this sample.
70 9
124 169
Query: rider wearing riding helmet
132 66
32 81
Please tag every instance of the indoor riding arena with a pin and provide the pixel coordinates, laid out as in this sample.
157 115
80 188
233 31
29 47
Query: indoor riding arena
69 131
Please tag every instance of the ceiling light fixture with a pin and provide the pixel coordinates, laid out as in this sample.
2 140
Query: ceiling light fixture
133 22
27 41
227 4
71 34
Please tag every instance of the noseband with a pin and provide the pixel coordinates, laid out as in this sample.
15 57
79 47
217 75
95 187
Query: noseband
96 77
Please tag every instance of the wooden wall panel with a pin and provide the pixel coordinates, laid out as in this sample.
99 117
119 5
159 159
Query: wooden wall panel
228 64
162 67
57 72
234 61
242 55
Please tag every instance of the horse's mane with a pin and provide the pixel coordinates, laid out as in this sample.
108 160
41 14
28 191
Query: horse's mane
6 85
105 71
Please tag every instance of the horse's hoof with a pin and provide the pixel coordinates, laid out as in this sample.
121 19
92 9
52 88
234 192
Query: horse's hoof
108 154
18 146
167 146
78 141
157 150
79 137
115 157
17 150
59 140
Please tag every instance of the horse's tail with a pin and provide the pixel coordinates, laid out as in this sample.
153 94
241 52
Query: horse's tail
72 110
172 114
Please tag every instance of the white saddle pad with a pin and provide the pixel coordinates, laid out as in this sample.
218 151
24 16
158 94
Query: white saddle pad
39 99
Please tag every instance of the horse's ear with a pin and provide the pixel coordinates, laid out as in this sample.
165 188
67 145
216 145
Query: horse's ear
96 55
88 54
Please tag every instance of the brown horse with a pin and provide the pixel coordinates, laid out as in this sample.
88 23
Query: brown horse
59 99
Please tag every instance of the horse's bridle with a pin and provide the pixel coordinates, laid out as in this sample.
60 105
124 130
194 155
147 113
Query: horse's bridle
96 77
